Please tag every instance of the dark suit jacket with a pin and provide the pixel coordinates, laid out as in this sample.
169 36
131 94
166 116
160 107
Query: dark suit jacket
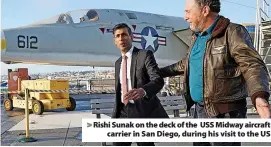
144 74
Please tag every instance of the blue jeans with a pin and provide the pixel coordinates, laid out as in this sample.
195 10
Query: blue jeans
200 113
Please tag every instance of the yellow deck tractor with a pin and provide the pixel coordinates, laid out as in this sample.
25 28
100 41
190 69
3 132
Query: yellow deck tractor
48 95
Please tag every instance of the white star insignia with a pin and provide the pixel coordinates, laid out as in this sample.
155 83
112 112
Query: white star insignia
149 40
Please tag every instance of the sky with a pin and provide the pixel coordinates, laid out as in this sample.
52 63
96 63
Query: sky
15 13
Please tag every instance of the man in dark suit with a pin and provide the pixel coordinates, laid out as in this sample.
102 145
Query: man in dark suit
137 81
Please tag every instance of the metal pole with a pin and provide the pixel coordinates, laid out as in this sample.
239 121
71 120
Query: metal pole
27 138
263 8
268 10
26 113
256 35
259 28
19 84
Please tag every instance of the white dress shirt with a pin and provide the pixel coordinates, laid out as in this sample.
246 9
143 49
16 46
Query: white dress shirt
129 82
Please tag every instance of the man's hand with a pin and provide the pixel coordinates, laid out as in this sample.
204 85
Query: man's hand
134 94
263 108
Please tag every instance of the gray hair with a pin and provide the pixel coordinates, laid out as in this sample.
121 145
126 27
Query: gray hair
213 4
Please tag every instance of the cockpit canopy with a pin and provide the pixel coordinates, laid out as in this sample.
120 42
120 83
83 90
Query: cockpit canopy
83 15
76 16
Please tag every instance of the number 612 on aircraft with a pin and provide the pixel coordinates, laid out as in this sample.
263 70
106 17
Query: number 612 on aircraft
27 42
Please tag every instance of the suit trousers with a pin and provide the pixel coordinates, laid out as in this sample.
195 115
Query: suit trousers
125 111
200 113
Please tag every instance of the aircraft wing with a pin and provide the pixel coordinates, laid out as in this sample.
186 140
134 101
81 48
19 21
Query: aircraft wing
184 35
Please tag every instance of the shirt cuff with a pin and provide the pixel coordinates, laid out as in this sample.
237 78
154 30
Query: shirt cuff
145 94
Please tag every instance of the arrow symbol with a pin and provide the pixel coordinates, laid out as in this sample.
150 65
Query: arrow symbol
88 125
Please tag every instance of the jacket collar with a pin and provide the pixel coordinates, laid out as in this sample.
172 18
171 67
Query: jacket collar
219 28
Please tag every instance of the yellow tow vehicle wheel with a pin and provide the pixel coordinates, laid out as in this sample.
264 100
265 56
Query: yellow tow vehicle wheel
8 104
37 107
71 104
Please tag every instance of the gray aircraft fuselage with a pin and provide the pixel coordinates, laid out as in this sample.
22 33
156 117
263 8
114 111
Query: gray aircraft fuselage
84 38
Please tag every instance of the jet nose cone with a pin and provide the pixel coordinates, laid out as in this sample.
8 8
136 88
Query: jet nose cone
3 41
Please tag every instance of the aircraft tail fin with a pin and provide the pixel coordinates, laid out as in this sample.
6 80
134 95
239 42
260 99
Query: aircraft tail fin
184 35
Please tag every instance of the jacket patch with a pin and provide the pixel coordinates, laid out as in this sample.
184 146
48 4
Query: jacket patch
219 50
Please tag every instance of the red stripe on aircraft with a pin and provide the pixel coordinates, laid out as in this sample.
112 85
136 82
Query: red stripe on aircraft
162 40
137 37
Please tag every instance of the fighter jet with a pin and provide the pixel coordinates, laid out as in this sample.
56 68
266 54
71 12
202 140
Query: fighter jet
84 38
